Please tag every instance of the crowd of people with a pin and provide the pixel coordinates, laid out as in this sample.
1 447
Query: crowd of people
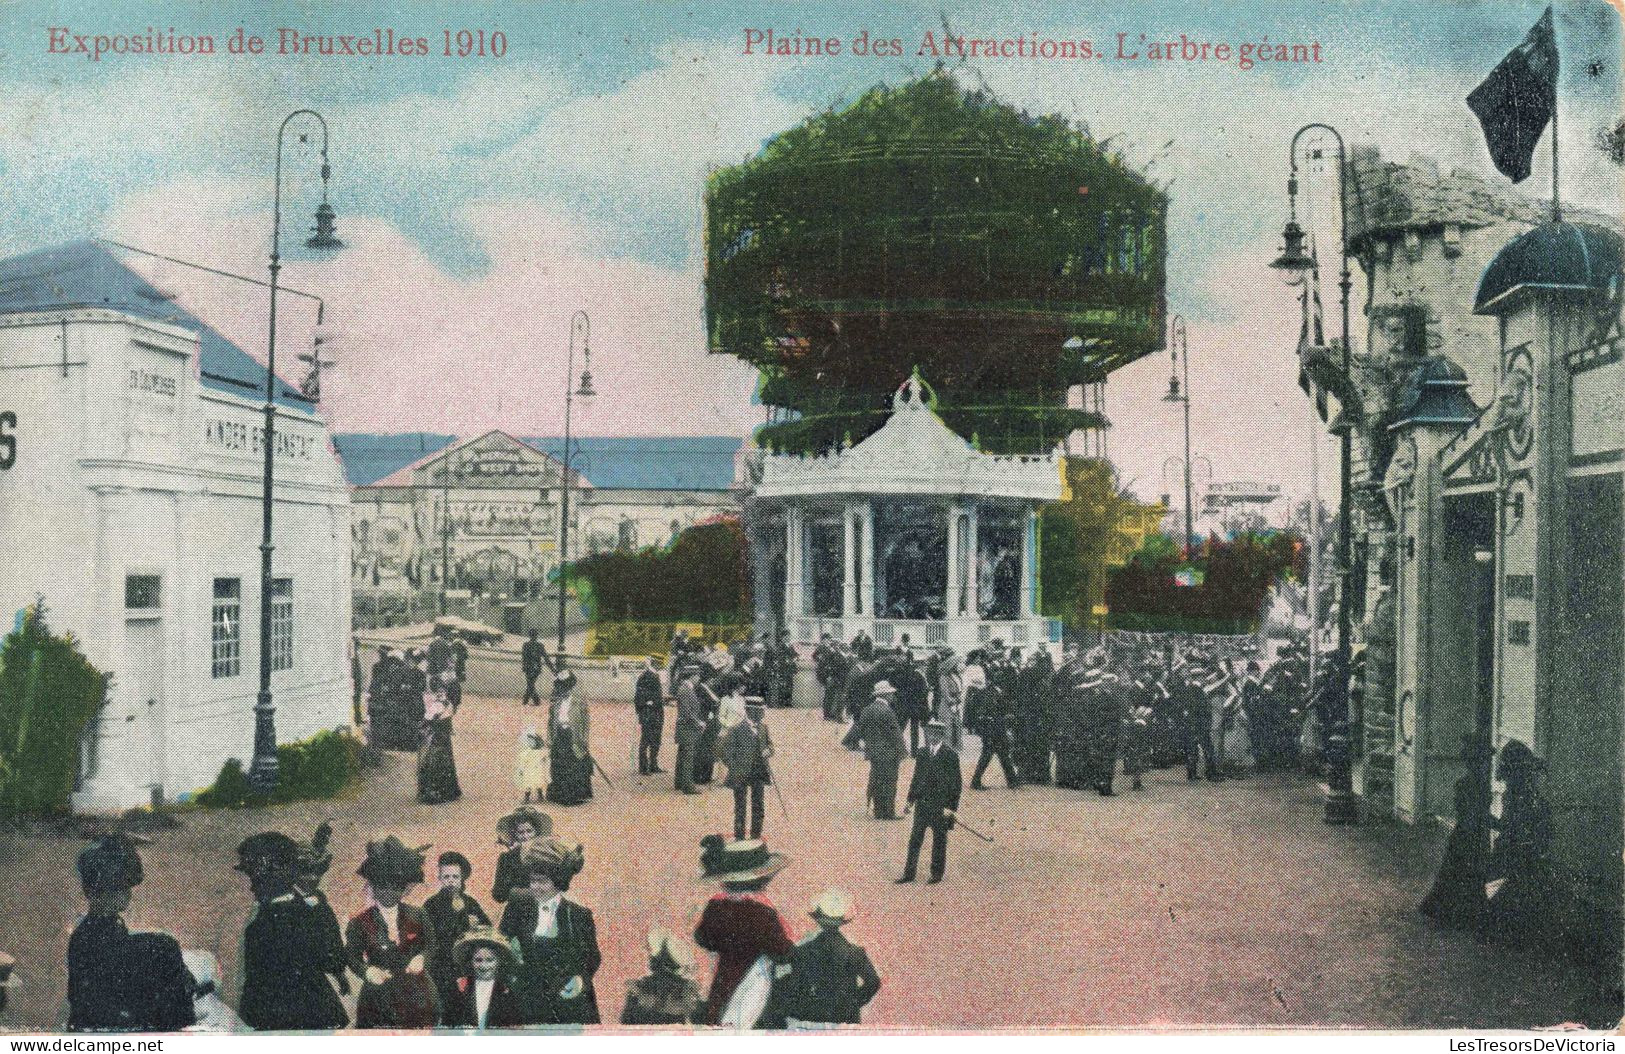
443 963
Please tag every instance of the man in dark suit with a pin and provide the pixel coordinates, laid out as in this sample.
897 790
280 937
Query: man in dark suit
913 699
690 726
883 745
826 979
933 794
287 954
990 718
531 656
648 701
120 981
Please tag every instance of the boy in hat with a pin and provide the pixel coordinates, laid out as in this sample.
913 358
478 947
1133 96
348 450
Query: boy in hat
556 938
745 748
933 795
390 943
739 924
482 996
514 831
667 994
884 747
452 913
827 979
286 950
648 700
120 981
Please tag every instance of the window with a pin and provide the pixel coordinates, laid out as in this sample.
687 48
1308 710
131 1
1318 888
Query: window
281 624
143 592
226 628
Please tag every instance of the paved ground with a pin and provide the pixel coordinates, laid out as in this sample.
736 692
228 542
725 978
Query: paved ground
1184 905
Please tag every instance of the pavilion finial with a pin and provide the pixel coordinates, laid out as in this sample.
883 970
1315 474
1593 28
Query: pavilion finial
915 392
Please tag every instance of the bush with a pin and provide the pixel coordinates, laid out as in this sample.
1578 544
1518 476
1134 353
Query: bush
701 577
50 695
319 767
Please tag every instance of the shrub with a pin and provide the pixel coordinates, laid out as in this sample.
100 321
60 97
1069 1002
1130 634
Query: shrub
319 767
50 695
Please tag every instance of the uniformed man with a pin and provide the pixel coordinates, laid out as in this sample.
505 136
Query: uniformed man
648 701
933 795
120 981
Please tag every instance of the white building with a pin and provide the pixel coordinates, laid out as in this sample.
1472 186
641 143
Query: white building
912 531
130 501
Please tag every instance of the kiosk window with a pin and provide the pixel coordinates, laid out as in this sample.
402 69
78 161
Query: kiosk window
143 592
281 623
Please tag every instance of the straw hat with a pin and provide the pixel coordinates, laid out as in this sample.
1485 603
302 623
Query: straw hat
482 937
832 905
556 858
731 711
539 821
738 862
883 688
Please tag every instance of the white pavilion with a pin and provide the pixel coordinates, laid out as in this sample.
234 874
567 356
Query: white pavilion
912 531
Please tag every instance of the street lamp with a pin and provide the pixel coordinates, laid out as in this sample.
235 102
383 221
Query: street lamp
1340 805
586 392
1179 352
262 772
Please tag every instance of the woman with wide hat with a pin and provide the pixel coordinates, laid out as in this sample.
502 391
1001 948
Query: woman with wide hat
390 943
120 981
569 736
739 924
437 768
314 859
483 995
556 939
286 951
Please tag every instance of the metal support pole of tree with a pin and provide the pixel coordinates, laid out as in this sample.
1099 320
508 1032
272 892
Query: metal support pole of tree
262 772
1179 348
445 531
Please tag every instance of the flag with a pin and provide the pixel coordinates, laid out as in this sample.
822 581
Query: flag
1312 335
1518 98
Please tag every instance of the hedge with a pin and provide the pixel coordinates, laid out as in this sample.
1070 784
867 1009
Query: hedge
50 695
319 767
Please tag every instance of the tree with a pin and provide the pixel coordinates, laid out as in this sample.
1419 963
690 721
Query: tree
1077 535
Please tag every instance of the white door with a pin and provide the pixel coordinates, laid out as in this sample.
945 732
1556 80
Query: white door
142 691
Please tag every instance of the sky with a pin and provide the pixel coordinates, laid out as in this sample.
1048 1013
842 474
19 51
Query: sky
483 201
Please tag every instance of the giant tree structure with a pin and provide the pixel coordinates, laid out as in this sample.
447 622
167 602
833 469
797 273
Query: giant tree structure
1009 257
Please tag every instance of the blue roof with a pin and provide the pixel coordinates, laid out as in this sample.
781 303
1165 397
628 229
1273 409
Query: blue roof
85 274
619 462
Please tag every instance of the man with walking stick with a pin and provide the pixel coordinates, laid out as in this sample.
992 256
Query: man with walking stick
745 748
933 795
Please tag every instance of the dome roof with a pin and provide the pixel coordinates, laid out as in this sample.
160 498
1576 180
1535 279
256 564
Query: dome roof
1556 256
1436 394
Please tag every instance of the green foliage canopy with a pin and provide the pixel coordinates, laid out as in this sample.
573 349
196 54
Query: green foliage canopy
1007 256
50 699
701 577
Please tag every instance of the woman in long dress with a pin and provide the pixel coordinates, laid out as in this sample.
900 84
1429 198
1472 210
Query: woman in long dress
569 737
1457 896
556 938
437 768
1520 911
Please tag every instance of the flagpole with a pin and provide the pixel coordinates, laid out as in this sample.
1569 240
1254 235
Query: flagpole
1557 207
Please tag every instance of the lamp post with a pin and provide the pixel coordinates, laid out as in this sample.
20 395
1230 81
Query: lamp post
445 530
1340 805
1179 353
585 391
262 772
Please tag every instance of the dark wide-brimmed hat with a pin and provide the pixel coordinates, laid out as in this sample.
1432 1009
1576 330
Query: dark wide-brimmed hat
267 851
539 821
482 937
1518 760
110 865
390 863
738 862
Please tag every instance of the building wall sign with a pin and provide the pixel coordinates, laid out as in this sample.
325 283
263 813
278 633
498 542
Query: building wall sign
150 383
1599 410
500 519
237 436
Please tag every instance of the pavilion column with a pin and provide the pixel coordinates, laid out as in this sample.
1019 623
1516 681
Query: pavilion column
1029 563
951 601
849 561
973 565
793 582
866 559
